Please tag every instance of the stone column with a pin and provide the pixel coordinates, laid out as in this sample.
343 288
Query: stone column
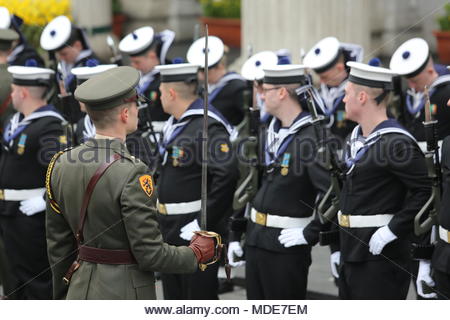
177 15
297 24
95 16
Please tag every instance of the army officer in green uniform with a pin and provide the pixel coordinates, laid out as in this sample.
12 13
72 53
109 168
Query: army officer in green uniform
120 242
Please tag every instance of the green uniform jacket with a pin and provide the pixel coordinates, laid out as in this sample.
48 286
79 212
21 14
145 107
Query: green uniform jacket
5 90
121 215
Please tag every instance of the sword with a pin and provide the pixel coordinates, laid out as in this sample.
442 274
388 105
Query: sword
205 141
204 191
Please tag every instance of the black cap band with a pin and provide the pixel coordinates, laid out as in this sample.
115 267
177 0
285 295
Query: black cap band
32 82
187 77
330 64
371 83
420 69
285 80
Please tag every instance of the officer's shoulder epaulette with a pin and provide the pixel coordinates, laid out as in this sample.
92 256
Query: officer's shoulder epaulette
48 176
132 159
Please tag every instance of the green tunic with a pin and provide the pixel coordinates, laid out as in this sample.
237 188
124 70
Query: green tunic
6 109
121 215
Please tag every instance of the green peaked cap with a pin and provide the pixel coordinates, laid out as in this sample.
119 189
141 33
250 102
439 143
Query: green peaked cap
109 89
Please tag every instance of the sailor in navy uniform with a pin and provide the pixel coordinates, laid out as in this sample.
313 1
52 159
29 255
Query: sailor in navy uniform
225 88
85 128
147 49
252 71
281 227
71 48
385 185
327 58
440 261
179 184
30 139
413 61
21 51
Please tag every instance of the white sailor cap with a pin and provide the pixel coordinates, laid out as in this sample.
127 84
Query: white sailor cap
56 33
85 73
138 41
410 58
253 67
285 74
370 76
196 52
5 18
181 72
323 55
31 76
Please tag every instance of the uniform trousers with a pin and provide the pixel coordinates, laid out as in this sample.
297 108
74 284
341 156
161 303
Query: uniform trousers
202 285
442 280
374 279
276 276
7 280
26 250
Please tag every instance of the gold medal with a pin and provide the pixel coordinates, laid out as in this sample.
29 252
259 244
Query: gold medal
20 150
284 171
175 162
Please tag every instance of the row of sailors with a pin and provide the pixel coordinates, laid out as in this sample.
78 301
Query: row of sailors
328 58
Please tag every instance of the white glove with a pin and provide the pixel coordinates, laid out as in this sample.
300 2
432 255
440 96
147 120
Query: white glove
335 260
187 232
292 237
235 250
379 239
424 275
32 206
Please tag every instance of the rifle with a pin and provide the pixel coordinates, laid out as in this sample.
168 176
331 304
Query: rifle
64 102
116 57
433 204
148 130
326 153
249 149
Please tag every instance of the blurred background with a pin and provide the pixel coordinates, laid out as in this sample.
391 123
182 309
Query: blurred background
248 26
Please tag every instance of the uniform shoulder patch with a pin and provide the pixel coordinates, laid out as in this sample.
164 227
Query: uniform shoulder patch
146 182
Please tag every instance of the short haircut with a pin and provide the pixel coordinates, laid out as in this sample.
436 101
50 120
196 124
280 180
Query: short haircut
185 90
37 92
373 93
290 88
104 118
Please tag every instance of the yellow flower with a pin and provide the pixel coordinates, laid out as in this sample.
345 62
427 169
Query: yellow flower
37 12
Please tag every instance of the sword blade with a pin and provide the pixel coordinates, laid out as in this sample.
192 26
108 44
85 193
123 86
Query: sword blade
203 221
